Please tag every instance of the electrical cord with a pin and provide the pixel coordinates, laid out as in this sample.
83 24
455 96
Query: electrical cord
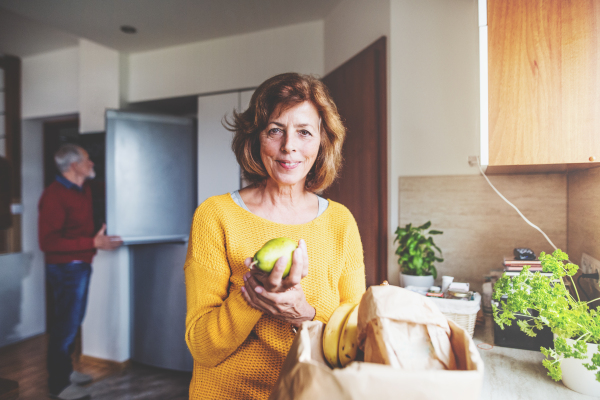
595 275
588 276
513 206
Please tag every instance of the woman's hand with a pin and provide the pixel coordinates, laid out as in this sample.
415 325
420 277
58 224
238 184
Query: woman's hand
282 298
290 306
274 281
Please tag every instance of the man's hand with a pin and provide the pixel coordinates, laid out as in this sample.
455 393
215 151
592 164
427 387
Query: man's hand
103 242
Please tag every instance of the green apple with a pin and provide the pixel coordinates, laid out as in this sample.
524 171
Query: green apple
267 256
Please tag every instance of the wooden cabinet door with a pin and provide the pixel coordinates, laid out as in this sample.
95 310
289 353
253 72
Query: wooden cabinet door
544 81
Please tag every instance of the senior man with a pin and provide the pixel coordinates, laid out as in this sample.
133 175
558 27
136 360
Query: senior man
67 238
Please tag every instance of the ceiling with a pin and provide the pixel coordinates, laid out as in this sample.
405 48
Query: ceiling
32 26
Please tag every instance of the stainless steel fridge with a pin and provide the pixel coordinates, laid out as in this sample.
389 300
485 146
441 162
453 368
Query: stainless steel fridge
151 195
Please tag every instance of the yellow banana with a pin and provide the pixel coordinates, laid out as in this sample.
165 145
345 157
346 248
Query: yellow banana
349 340
332 333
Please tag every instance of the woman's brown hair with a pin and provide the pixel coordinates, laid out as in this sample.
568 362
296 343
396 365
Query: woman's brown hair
287 90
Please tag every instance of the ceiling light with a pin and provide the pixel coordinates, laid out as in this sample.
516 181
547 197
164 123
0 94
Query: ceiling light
128 29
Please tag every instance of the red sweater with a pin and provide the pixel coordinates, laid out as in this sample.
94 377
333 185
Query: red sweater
66 224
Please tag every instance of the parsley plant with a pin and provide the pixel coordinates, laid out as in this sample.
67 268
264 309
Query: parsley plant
566 316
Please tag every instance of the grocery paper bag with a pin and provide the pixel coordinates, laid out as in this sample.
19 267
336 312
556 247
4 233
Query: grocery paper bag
306 376
403 329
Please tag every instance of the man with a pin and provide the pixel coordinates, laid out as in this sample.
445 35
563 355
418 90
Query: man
66 236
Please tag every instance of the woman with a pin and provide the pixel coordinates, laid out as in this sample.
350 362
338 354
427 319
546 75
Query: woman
240 322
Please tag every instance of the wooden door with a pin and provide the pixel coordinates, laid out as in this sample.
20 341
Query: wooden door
544 81
358 88
10 134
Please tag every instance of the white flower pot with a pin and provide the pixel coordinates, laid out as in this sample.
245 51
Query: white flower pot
577 377
413 280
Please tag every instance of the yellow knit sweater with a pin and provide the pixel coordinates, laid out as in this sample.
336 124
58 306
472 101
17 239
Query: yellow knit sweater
238 351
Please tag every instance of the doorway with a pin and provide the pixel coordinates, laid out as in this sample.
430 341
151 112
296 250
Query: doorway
359 89
56 133
62 131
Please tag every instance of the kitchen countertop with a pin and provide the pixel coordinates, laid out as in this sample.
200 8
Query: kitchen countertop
517 374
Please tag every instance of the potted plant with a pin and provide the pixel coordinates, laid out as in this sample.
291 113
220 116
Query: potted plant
416 255
576 355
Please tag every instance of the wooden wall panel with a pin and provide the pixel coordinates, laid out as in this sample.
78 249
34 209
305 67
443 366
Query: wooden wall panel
584 218
479 227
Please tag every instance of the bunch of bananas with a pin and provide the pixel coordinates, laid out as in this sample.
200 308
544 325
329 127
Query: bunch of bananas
340 338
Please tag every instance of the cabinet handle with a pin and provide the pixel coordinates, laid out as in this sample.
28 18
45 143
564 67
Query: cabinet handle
592 158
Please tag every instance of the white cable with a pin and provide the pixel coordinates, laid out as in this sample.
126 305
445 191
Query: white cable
513 206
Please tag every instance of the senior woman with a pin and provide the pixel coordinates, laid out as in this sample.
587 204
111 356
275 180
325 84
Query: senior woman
241 322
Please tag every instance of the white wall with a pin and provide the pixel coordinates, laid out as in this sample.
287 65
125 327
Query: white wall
352 26
50 83
234 62
99 89
434 85
214 146
33 300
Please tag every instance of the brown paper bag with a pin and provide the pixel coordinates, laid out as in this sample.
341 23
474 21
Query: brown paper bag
403 329
306 376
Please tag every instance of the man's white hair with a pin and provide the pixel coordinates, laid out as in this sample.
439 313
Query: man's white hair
67 154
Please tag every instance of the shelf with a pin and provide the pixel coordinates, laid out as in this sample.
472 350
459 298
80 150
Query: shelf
538 169
133 240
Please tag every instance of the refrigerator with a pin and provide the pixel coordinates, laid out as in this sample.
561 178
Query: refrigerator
151 195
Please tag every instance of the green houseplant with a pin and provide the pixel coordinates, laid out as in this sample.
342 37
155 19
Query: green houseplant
574 324
416 250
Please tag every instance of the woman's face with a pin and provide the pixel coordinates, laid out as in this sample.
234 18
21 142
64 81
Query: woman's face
290 143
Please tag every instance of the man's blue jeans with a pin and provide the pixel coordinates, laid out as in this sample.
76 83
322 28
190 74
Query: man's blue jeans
69 287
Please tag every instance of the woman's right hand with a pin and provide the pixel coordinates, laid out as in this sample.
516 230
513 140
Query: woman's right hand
283 298
274 281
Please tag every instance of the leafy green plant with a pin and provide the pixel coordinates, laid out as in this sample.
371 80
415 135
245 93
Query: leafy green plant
415 251
566 316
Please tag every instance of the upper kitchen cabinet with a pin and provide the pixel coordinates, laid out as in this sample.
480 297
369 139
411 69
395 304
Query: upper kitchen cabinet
543 84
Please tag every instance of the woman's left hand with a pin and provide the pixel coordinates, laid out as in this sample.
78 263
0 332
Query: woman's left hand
290 306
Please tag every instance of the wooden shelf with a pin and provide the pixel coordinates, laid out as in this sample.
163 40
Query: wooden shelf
538 169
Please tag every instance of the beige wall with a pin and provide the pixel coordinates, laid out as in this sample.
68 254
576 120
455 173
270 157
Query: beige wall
229 63
584 218
479 227
584 214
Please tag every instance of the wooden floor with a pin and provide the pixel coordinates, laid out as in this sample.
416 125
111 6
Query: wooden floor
25 362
